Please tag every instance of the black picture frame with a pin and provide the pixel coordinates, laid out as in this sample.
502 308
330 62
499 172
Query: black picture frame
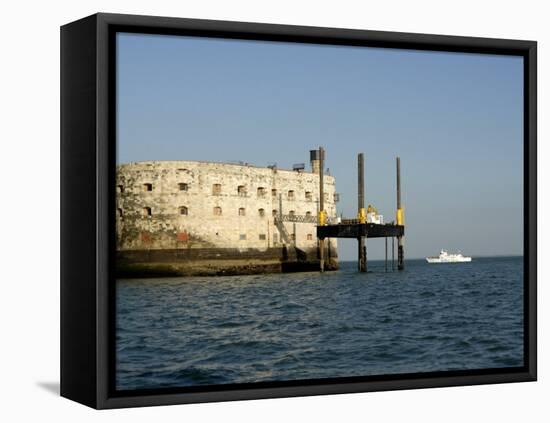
87 201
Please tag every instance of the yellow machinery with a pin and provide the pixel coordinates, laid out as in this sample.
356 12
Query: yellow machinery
322 218
400 216
362 215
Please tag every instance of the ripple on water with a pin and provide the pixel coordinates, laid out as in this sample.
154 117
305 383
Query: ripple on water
201 331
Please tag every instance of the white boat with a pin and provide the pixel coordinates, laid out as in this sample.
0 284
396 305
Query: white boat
445 257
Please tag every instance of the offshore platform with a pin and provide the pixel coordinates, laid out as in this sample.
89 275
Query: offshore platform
363 226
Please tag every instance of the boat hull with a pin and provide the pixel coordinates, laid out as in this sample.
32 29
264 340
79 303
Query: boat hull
438 260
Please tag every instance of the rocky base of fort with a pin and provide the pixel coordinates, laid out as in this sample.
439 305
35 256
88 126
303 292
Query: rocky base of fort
217 262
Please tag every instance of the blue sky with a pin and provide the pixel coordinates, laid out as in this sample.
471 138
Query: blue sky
456 121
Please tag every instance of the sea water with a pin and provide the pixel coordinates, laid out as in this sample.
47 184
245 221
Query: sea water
189 331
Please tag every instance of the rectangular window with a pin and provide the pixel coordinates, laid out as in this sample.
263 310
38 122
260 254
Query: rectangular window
242 211
241 190
216 189
262 237
309 237
242 237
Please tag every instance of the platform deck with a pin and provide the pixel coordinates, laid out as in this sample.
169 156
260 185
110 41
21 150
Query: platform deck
356 230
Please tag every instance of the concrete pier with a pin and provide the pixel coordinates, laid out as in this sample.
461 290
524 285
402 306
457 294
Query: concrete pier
400 220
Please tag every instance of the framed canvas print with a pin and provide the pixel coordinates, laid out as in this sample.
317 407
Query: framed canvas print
255 211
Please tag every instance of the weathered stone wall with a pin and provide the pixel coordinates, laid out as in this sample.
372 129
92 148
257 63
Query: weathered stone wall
151 195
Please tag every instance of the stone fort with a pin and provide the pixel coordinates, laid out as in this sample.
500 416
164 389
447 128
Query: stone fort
194 217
